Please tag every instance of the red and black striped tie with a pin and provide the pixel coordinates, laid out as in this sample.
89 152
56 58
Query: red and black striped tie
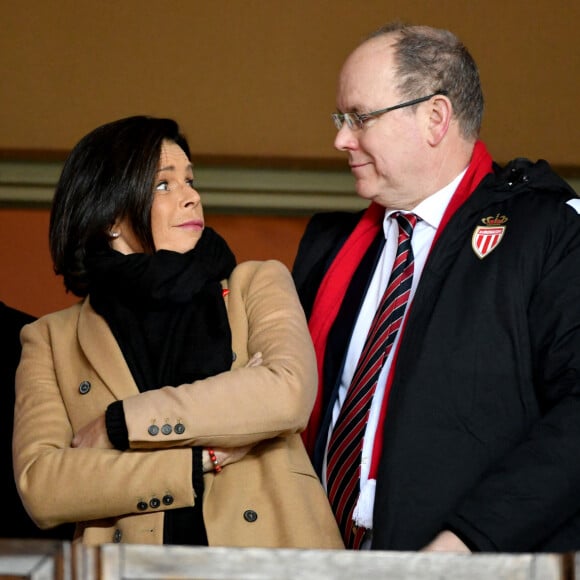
345 445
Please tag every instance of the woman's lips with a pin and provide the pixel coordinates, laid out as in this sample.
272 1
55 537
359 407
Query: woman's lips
192 225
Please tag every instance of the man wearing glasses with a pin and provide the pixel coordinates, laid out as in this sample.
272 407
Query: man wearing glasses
445 317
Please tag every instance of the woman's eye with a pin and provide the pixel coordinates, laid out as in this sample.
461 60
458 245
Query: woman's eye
162 186
191 183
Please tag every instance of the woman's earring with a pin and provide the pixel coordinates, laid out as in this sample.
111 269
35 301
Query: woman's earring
113 235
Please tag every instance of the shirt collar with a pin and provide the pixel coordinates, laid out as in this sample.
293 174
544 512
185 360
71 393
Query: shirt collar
431 209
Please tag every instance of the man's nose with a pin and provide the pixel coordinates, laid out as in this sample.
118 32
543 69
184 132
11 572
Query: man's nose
345 139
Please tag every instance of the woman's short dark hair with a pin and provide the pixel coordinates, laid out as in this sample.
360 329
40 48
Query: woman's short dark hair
108 175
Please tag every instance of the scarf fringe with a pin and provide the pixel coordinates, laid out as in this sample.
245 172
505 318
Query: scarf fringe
363 511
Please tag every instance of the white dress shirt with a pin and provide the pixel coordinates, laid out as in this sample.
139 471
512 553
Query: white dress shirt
431 212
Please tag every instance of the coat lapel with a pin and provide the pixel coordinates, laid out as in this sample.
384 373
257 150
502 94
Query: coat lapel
103 353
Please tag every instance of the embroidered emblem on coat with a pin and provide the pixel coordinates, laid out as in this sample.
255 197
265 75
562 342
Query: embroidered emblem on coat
486 238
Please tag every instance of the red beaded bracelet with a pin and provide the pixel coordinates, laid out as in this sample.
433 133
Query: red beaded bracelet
216 466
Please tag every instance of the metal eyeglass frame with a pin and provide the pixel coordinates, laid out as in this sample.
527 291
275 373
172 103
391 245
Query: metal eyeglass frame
357 120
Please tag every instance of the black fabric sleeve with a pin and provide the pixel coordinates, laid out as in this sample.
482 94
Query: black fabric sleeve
197 471
117 426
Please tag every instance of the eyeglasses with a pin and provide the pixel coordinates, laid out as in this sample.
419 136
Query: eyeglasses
356 121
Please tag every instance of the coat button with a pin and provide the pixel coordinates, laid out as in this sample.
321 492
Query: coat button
250 516
167 499
167 429
153 430
154 503
84 387
179 428
142 506
117 536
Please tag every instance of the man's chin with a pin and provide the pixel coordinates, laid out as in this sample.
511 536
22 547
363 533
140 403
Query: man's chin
363 190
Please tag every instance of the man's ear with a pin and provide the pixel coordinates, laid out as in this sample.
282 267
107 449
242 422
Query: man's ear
440 112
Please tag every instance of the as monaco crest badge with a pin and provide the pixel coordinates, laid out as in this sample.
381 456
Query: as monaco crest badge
486 238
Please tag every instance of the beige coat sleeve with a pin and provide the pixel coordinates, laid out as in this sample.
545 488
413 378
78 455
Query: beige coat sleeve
245 405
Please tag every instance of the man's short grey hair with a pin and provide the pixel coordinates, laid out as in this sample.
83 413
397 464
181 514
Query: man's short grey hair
431 59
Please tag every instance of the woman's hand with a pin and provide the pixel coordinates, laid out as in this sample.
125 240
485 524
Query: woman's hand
94 434
255 361
446 541
224 456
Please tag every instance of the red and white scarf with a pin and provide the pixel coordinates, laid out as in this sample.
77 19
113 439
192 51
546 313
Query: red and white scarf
338 277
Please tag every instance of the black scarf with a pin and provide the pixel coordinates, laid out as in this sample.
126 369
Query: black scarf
168 315
166 310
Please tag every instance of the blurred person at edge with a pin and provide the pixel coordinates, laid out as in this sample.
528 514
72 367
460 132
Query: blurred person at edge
165 407
472 439
18 522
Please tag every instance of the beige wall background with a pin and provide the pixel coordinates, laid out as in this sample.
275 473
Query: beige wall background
255 79
253 84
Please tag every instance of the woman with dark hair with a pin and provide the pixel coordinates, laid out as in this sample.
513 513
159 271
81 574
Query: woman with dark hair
167 405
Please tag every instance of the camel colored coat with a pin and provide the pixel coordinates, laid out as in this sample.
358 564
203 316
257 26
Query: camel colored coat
72 369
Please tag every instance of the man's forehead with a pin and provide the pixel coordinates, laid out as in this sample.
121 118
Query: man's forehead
368 74
374 58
